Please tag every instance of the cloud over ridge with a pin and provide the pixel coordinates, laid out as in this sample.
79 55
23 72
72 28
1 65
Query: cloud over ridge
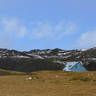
14 30
87 39
13 26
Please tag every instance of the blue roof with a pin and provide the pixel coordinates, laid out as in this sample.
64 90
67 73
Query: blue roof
71 64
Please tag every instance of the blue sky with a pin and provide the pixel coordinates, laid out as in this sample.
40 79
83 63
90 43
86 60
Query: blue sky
42 24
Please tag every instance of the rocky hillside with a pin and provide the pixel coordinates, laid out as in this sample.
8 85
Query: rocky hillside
54 56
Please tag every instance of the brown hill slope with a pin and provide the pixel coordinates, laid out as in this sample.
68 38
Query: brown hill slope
49 83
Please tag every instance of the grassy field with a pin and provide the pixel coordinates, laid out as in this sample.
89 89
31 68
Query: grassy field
48 83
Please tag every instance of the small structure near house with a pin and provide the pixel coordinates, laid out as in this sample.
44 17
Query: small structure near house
74 66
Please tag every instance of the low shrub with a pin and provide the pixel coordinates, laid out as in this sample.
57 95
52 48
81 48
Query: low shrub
80 78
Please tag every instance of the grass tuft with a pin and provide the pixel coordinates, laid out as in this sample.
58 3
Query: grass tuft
80 78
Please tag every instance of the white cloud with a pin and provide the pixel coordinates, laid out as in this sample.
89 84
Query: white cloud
67 29
46 30
22 31
87 39
13 27
6 43
42 30
59 26
11 30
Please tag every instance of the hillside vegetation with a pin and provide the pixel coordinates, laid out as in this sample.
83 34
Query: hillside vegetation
29 65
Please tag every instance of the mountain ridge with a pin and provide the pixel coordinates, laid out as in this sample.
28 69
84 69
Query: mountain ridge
75 54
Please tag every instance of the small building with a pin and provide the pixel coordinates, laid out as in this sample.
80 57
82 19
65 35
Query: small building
74 66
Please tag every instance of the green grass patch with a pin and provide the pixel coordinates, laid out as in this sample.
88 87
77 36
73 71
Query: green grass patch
7 72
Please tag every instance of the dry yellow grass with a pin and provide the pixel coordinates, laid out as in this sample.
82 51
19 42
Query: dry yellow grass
49 83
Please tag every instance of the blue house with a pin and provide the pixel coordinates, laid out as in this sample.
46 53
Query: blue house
74 66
